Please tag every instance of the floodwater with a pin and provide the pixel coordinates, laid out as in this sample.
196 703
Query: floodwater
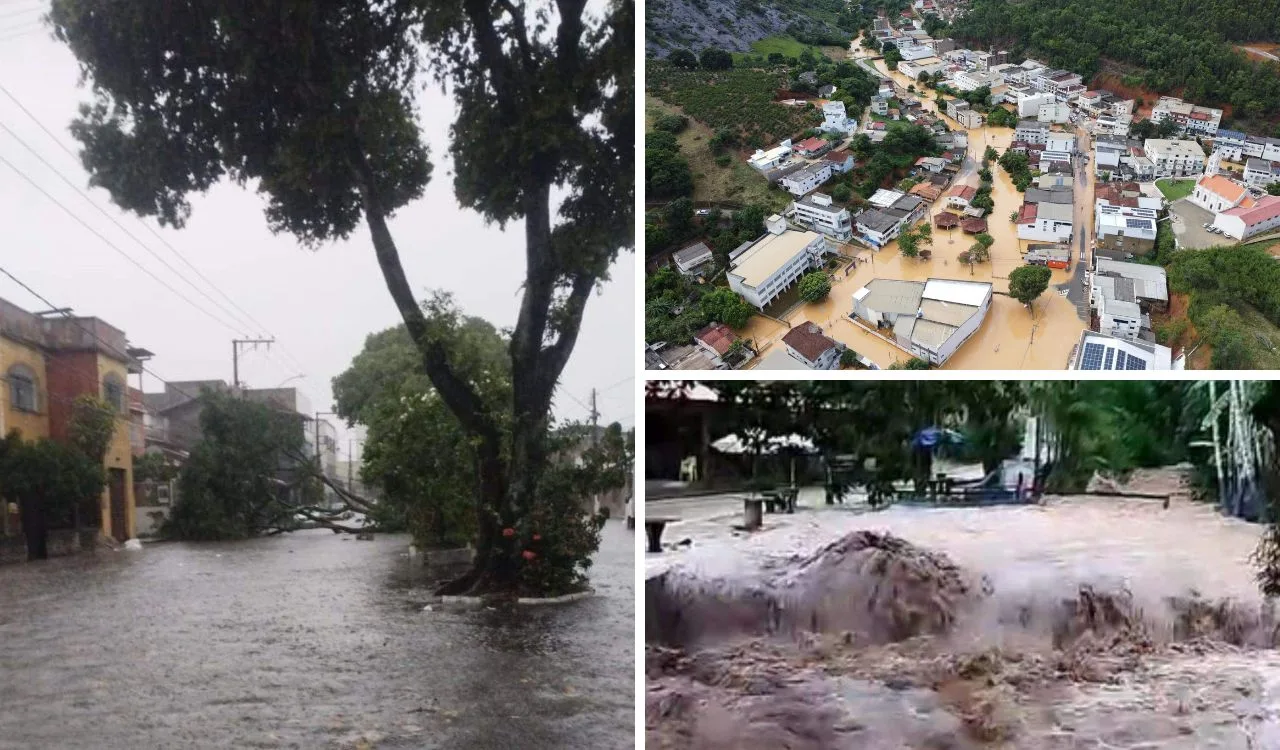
1011 337
309 640
1197 695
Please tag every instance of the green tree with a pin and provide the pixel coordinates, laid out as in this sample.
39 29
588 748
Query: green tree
892 56
680 217
1273 188
90 429
317 109
715 59
989 155
848 358
728 307
814 286
841 193
776 58
671 123
683 58
49 481
909 244
1026 283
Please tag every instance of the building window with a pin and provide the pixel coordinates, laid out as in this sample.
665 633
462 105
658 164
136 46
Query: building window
113 391
22 388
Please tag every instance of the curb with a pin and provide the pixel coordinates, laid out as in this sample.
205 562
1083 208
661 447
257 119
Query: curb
564 599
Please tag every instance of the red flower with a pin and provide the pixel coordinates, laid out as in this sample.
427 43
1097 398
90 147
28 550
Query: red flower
508 532
537 537
529 554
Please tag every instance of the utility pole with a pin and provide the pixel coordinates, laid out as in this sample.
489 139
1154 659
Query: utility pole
595 417
350 460
235 356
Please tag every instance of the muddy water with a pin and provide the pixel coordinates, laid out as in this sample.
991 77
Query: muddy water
1011 337
306 641
1171 696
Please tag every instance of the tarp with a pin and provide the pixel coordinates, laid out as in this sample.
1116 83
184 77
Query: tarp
932 437
733 444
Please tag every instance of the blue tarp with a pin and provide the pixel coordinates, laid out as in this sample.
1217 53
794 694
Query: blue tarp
932 437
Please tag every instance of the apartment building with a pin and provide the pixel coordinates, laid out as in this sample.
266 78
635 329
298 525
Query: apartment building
1260 173
1032 131
1123 231
1192 118
1100 351
808 179
817 212
771 264
1173 157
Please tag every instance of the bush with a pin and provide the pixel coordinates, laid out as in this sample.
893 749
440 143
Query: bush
723 160
671 123
715 59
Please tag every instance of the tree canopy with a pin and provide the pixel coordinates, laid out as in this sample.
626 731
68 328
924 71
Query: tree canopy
1026 283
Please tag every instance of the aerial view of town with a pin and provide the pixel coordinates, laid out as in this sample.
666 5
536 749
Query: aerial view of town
961 185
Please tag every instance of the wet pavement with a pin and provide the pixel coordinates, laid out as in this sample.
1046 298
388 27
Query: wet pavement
310 640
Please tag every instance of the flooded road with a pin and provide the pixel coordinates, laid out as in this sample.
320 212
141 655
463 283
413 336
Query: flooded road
1011 337
309 640
1000 676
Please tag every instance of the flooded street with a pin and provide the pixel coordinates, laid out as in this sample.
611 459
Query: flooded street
308 640
1029 662
1011 337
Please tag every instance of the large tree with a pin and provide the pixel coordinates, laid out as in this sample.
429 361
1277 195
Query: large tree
315 104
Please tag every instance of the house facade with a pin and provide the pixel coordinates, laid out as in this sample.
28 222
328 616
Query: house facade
1242 222
770 265
46 363
808 179
1193 119
1260 173
1217 193
818 212
807 344
1174 158
1121 231
835 120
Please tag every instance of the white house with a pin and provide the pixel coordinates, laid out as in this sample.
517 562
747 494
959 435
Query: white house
689 259
834 119
1244 222
1029 104
841 161
766 160
879 226
929 319
914 68
1098 351
880 104
1055 112
1118 311
817 212
1260 173
1174 158
1123 230
1045 222
773 263
807 179
1230 144
807 344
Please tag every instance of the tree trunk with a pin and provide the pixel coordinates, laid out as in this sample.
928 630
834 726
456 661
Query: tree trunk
34 528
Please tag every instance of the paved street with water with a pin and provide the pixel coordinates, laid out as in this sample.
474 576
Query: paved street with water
307 640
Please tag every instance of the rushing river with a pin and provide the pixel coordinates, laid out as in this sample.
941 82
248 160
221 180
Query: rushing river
310 640
1138 694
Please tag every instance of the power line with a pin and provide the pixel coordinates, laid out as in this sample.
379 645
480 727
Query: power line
246 315
113 220
113 246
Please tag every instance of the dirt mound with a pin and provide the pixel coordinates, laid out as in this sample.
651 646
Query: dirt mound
1166 480
877 586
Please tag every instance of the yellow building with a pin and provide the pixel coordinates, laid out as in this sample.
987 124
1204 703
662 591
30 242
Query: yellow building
45 364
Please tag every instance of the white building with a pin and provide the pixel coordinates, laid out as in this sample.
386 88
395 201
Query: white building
931 320
808 345
1216 193
817 212
1122 229
1055 111
972 80
774 262
1057 82
1062 142
1260 173
1031 131
913 69
690 259
1045 222
1246 221
1174 158
879 226
766 160
1192 118
834 119
807 179
1118 311
1098 351
880 105
1230 144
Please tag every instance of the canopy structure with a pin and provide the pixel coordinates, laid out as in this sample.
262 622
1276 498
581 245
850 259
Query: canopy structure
932 437
946 220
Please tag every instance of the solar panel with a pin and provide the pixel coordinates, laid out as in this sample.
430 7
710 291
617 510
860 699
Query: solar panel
1106 363
1136 223
1136 363
1092 359
1120 357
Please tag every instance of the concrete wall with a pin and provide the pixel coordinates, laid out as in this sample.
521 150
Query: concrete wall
62 542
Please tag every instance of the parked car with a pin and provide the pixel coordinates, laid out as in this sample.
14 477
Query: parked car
703 212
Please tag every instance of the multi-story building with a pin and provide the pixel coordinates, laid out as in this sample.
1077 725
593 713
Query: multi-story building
690 259
1260 173
1174 158
817 212
1054 112
1063 142
1250 218
1122 231
46 363
835 120
771 264
1045 222
894 210
1057 82
808 179
1191 118
1230 144
1031 131
1100 351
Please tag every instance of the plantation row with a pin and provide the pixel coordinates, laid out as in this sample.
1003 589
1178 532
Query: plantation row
738 99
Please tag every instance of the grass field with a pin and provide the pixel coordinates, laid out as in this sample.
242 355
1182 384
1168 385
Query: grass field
789 48
736 183
1175 189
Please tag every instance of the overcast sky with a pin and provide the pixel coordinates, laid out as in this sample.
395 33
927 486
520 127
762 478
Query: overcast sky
319 305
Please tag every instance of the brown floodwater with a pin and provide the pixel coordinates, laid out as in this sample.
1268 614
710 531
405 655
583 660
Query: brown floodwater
1012 337
308 640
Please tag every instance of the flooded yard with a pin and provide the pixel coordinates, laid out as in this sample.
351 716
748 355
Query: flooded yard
1082 623
310 640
